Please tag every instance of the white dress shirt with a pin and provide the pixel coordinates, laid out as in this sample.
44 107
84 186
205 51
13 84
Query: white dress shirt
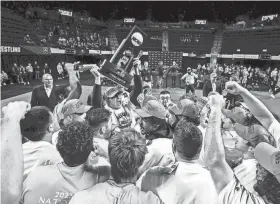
48 91
214 87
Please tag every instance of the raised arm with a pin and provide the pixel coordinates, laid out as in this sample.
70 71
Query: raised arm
256 107
137 89
95 97
11 152
75 85
184 76
214 148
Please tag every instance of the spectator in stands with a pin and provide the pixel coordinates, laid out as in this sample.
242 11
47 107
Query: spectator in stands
146 74
37 128
274 79
47 70
14 74
189 78
61 181
24 75
37 70
64 70
29 70
193 182
127 151
4 78
212 85
28 40
173 69
160 72
277 86
60 71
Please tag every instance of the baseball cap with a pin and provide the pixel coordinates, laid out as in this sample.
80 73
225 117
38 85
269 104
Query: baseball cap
201 102
234 78
152 108
268 157
254 134
74 106
213 75
185 107
111 92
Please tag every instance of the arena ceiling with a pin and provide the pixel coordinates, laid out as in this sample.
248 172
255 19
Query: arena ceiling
163 11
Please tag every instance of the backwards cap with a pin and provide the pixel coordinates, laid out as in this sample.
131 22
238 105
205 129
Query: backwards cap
269 157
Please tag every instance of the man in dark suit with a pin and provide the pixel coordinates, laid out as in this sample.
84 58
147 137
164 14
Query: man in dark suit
212 85
50 95
47 94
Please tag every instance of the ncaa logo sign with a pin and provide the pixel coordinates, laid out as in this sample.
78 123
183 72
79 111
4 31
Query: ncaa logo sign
137 39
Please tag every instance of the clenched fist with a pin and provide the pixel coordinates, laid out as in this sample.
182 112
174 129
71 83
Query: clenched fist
234 88
216 101
16 110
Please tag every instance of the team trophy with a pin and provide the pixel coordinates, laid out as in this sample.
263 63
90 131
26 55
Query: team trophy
119 68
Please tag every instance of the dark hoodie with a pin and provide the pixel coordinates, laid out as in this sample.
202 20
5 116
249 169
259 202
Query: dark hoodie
164 132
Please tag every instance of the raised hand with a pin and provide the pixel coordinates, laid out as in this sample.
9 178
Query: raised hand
136 63
234 88
16 110
95 72
69 67
216 101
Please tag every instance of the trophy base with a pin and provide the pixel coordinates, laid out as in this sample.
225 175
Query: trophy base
112 72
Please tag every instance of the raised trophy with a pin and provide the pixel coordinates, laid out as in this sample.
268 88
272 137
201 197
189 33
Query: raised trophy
119 68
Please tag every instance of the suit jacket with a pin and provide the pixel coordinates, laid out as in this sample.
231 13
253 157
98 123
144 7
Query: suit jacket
40 98
207 88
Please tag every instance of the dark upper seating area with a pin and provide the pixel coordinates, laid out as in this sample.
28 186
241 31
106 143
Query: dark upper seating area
154 43
252 41
18 29
192 41
64 35
15 30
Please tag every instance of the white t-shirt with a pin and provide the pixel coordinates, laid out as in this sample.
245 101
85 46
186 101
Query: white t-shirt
236 193
190 184
122 117
274 129
110 192
190 78
57 183
38 153
59 69
246 174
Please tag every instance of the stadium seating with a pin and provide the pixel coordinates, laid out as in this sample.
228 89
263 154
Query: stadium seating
154 43
191 41
14 28
251 41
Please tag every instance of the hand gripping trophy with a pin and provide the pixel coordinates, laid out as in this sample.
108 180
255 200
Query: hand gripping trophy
119 68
